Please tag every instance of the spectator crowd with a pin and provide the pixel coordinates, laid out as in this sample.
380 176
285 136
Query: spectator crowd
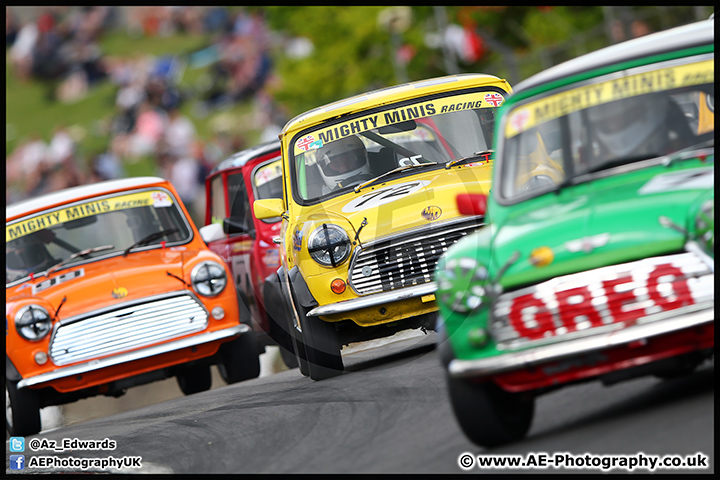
59 47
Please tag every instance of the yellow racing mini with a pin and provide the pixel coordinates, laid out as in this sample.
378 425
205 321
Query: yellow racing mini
369 206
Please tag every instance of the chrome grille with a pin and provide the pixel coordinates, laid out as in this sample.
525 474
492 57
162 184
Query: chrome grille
126 328
404 260
603 299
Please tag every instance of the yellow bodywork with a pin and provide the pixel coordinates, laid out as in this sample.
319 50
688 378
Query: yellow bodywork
428 198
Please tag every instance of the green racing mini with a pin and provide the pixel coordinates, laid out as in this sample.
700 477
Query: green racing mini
597 258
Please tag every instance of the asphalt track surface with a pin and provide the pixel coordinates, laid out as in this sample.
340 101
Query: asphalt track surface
389 413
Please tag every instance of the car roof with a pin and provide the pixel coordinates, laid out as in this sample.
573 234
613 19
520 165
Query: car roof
238 159
678 38
387 95
71 194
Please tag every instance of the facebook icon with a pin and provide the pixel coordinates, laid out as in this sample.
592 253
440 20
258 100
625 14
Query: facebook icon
17 462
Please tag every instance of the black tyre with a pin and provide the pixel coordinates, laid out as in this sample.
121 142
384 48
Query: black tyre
282 337
289 358
194 379
322 347
240 359
488 415
22 410
300 354
278 315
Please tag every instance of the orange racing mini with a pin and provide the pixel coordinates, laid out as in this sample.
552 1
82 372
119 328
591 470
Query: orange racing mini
110 286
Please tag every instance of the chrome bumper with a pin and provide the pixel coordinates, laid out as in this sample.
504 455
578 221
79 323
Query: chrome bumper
134 355
510 361
374 299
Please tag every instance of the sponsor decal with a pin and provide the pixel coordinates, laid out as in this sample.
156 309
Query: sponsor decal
241 246
268 173
272 257
161 199
119 292
57 280
297 238
587 244
384 195
573 100
494 99
87 209
621 296
431 213
337 131
308 143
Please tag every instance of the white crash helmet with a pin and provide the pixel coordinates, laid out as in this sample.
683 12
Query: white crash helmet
342 159
630 126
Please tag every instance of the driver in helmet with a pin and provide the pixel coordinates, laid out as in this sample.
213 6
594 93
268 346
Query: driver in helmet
343 162
27 255
651 125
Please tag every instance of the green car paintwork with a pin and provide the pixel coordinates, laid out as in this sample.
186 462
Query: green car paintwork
596 261
614 206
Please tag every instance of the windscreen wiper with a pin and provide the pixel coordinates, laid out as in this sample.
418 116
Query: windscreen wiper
474 156
150 238
81 253
394 170
691 151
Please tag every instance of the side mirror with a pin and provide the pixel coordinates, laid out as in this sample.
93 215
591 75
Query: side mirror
233 225
212 232
268 208
471 203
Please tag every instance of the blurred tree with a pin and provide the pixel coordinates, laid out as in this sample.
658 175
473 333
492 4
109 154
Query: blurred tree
350 54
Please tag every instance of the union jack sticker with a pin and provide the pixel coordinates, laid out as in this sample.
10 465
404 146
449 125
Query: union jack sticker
161 199
308 142
494 99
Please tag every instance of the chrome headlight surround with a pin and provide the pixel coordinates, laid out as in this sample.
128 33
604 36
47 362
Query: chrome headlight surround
461 284
208 279
329 245
33 322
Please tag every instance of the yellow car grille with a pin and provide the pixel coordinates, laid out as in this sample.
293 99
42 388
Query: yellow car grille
407 259
129 327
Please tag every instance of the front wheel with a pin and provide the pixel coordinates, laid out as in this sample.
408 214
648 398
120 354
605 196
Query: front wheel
488 415
282 337
322 347
239 359
22 410
194 379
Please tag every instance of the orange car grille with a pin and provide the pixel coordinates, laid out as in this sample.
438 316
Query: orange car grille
128 327
405 260
604 299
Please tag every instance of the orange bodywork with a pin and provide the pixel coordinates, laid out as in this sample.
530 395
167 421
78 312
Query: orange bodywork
107 284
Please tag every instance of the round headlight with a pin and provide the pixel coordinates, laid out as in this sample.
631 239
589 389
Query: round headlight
33 322
208 278
461 284
329 245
